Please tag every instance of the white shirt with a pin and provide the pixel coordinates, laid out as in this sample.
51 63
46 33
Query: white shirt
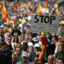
20 26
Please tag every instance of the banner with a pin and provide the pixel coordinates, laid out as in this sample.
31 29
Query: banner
44 23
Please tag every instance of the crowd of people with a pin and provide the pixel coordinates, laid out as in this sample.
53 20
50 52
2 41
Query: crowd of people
18 45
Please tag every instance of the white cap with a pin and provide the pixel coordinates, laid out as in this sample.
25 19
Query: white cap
30 44
24 54
35 39
37 45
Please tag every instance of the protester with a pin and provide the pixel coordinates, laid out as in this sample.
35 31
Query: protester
59 61
31 52
17 57
50 59
5 52
24 59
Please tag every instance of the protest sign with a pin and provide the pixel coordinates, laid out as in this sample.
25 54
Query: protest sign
44 23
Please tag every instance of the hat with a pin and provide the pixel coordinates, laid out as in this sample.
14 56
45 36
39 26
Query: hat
30 44
37 45
24 54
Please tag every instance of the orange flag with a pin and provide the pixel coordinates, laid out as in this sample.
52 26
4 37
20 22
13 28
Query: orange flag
46 4
4 13
39 10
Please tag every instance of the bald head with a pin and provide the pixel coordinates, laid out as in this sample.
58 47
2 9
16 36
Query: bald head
50 59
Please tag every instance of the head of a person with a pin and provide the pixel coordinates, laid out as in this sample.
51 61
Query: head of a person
59 38
30 47
50 59
37 48
18 49
59 61
28 30
62 26
8 39
60 48
8 25
2 40
49 36
15 27
15 33
25 45
62 41
24 57
15 39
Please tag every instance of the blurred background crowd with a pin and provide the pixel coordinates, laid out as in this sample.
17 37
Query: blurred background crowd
18 45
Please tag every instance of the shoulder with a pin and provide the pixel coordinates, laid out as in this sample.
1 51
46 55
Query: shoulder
19 62
29 63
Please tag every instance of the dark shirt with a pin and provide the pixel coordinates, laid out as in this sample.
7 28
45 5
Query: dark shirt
15 31
5 55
